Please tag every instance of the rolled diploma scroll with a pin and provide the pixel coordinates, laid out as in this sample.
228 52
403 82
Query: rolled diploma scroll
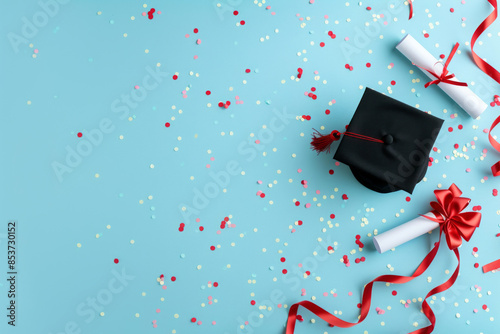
462 95
404 233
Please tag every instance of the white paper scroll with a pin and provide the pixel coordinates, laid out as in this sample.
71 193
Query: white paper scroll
404 233
462 95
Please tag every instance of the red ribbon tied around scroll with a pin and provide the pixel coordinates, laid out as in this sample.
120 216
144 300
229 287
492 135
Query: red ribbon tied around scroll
483 65
454 224
445 77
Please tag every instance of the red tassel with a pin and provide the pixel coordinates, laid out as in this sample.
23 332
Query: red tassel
321 143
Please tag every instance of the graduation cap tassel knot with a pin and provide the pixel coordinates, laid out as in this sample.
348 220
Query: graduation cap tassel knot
321 143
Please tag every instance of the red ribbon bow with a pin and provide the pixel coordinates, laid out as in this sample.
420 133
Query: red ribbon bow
453 222
445 77
455 225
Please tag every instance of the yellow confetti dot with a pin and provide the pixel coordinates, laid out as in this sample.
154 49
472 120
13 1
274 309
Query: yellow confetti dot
79 245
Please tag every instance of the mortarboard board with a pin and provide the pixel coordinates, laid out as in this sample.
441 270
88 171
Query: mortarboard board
386 144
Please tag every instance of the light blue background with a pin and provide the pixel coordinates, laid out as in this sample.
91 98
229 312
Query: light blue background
84 64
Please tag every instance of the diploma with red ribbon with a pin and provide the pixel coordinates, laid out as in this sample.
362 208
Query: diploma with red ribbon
453 223
441 76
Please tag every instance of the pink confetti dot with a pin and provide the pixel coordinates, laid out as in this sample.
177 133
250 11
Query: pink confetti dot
136 87
198 41
213 323
308 205
157 310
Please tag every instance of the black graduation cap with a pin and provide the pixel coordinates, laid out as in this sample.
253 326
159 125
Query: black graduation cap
386 145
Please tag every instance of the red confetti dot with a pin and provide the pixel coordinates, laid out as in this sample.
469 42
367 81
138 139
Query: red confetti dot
327 111
175 77
331 171
212 248
495 192
476 265
282 259
393 82
363 259
344 197
284 271
322 44
242 22
79 134
195 30
252 302
226 219
442 56
201 228
300 222
208 92
452 10
426 35
297 203
167 125
368 65
262 195
221 104
394 292
460 126
475 249
357 260
359 305
313 89
216 284
173 278
247 70
456 146
408 198
332 216
308 273
235 13
181 229
485 307
193 319
450 129
116 261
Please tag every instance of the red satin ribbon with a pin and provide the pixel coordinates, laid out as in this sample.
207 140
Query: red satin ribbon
410 2
445 77
484 66
491 266
453 223
495 169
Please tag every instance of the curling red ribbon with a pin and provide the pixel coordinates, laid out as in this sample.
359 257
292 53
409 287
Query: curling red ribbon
495 169
452 222
445 77
484 66
410 2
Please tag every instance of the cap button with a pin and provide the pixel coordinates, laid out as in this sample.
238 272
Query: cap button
388 139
